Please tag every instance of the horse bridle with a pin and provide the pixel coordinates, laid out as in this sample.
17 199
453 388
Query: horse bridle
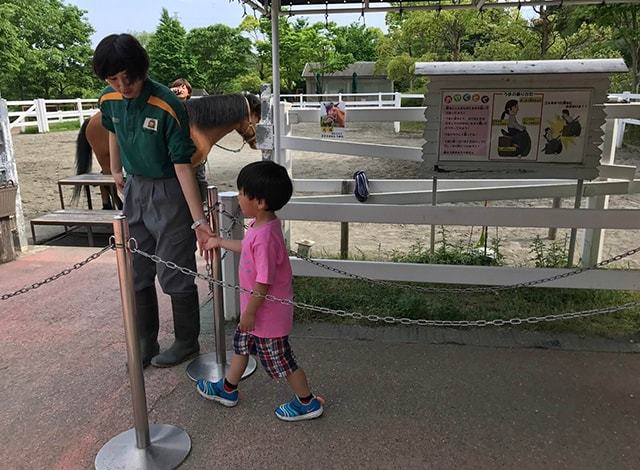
250 127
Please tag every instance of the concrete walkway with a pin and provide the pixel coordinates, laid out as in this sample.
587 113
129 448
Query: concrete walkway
394 398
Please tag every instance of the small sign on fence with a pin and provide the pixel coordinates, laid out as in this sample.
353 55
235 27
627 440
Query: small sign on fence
333 119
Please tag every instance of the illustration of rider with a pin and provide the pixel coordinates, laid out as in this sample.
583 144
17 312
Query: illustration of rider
515 140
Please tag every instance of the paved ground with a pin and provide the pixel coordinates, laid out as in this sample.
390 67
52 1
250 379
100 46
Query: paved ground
396 398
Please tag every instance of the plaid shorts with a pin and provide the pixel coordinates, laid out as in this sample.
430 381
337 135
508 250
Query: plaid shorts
275 354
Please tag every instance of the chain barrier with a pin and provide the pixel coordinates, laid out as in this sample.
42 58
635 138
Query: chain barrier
489 289
389 319
55 277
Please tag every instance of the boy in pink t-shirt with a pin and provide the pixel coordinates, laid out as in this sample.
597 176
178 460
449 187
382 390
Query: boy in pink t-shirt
264 187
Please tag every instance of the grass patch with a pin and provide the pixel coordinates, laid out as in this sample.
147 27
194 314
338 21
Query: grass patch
55 127
354 295
412 127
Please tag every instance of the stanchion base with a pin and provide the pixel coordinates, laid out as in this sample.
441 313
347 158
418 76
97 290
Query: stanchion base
169 446
206 366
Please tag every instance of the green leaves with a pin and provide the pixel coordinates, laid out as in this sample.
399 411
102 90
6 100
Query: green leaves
168 52
45 50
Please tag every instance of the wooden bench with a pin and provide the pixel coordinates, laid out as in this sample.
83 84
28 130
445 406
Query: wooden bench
75 218
86 180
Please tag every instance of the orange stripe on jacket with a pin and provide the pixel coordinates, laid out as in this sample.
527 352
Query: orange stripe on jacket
111 96
162 104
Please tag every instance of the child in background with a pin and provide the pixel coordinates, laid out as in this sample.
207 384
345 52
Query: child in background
264 187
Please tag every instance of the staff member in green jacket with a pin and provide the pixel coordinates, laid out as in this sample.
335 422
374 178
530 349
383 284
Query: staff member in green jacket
149 137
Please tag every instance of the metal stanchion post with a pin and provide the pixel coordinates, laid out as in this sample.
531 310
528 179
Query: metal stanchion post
212 366
156 446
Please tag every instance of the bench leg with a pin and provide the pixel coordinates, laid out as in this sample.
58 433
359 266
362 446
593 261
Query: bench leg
33 234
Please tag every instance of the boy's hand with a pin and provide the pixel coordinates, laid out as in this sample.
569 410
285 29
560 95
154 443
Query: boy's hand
247 322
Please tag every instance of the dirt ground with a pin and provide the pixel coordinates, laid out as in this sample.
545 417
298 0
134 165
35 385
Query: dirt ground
42 159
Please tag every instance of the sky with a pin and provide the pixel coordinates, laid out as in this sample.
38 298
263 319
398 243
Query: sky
123 16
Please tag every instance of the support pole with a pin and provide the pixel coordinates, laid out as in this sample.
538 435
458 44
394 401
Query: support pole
275 67
212 366
159 446
553 231
434 202
344 227
574 231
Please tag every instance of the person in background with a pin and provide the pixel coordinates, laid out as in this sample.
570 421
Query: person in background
182 89
149 137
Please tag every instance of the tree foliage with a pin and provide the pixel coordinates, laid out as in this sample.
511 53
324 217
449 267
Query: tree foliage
220 54
47 48
168 53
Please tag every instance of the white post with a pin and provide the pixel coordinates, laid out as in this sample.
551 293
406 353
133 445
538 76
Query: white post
301 100
275 67
80 115
286 160
41 115
379 99
618 131
397 104
594 238
8 162
233 229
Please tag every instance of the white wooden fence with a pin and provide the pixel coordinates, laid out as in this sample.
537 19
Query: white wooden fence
41 113
408 202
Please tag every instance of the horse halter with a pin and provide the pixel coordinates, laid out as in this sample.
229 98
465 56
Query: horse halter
250 129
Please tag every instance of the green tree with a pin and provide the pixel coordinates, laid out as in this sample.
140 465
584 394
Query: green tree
220 54
623 21
170 58
11 48
54 42
358 41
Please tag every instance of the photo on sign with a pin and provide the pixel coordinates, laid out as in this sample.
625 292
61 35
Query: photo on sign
333 119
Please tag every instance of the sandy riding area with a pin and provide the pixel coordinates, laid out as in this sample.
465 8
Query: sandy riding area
42 159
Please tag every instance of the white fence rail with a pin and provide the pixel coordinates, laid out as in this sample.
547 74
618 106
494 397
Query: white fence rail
409 202
41 113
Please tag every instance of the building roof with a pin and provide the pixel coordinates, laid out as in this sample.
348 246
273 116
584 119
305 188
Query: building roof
362 69
522 67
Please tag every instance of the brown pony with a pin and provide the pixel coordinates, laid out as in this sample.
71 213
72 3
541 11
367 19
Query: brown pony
210 119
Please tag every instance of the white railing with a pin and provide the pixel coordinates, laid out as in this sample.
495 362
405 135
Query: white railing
40 112
408 202
619 125
376 100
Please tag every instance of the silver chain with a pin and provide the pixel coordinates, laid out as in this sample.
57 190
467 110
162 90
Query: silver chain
390 319
55 277
490 289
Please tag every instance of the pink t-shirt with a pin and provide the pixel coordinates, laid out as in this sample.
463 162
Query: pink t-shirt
264 259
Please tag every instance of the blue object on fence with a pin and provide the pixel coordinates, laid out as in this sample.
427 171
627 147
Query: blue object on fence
361 190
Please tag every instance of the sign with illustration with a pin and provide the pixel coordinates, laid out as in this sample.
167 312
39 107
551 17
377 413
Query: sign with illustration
333 119
515 125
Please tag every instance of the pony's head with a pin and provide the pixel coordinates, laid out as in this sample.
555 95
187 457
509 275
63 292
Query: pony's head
242 110
248 132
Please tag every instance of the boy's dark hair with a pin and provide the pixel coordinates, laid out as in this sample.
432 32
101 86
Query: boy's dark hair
121 52
266 180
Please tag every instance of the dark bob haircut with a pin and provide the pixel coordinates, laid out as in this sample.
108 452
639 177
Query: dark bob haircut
268 181
121 52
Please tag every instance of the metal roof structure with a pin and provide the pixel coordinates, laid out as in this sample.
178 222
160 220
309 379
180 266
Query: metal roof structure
329 7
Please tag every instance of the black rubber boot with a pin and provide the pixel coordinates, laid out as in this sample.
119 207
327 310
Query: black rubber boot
186 324
147 323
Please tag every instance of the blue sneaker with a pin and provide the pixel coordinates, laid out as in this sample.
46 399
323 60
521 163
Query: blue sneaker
215 391
296 411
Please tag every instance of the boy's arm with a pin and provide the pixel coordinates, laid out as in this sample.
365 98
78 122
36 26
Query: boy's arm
248 317
217 242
